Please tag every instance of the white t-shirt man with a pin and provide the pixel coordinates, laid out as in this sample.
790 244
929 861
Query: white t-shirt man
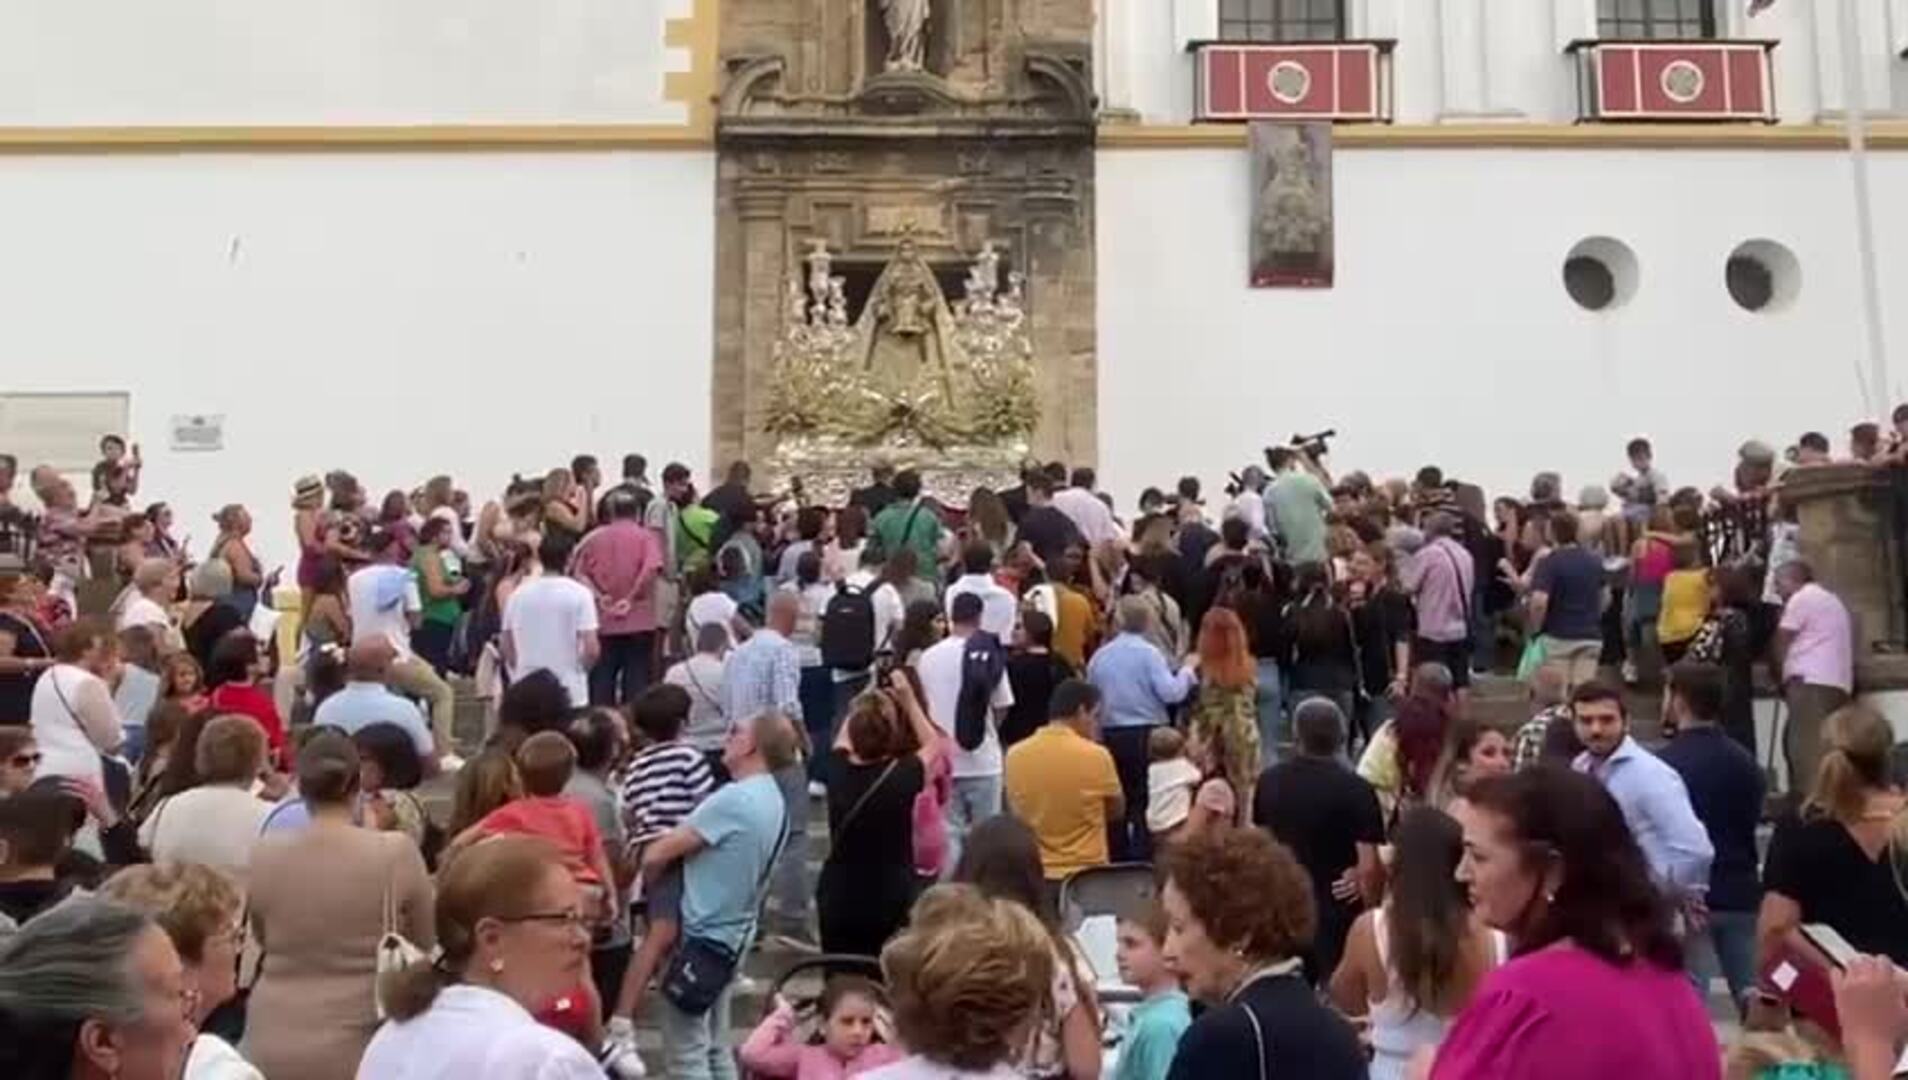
940 674
544 619
382 599
999 609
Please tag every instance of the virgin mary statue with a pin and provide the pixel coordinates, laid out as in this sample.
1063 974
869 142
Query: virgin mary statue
907 33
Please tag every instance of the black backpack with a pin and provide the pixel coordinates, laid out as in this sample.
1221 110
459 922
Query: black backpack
848 630
983 662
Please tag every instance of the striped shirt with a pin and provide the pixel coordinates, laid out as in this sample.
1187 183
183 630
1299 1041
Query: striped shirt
663 784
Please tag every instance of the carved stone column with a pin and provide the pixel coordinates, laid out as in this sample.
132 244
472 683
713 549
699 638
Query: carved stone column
1848 536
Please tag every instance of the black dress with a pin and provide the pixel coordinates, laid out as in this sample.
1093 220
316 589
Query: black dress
1817 864
867 881
16 691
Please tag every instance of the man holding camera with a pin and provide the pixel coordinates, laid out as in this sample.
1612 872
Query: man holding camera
1297 504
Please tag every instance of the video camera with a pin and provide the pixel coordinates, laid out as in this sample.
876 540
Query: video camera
1313 446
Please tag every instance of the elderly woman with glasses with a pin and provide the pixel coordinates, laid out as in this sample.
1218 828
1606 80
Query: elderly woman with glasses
92 988
199 908
511 922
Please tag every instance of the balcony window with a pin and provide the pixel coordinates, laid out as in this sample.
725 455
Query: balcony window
1656 20
1281 20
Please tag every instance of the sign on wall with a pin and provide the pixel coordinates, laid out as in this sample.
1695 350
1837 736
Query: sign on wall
61 430
1292 237
198 433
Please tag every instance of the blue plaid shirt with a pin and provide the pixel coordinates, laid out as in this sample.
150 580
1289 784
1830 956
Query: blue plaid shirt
764 672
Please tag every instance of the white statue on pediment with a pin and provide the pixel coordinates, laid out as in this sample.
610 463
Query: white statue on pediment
907 33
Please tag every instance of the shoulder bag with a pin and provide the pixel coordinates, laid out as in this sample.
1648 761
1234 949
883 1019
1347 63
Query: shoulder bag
1464 594
702 967
395 951
855 810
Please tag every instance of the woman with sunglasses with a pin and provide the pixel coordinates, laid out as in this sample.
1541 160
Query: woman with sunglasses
511 922
19 760
321 899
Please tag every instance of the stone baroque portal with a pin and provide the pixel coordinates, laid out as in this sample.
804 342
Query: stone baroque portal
905 239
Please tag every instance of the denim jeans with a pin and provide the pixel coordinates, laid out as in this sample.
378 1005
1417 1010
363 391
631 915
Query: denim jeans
789 893
1727 949
1273 730
695 1047
976 798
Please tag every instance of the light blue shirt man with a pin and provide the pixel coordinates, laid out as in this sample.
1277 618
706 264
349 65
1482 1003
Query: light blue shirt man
1656 807
740 825
1136 685
361 704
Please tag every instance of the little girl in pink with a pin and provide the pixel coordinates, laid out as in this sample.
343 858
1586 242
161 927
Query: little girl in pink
848 1047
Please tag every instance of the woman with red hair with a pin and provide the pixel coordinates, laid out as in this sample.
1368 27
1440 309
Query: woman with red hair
1421 725
1224 718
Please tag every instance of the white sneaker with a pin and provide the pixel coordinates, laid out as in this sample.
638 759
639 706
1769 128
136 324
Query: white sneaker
449 763
816 790
621 1057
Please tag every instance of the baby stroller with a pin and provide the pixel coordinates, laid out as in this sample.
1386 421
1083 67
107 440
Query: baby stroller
801 983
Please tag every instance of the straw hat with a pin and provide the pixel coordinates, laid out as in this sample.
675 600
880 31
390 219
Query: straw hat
309 489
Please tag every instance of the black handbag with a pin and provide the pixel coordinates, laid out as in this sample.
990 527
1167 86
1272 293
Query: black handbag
698 973
701 968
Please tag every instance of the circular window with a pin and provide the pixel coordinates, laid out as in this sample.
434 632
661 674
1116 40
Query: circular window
1762 276
1600 273
1590 282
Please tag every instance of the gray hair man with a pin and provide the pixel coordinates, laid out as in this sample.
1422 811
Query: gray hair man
1139 686
1815 648
726 847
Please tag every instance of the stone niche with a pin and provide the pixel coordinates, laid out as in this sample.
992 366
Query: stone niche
989 141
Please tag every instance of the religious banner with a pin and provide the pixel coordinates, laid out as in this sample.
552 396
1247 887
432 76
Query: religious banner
1291 243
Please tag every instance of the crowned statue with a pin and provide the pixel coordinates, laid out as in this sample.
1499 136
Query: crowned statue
910 375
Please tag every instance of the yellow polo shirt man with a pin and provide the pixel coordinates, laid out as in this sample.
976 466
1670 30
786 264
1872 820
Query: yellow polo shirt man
1063 785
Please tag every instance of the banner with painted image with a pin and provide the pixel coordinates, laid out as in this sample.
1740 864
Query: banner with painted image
1292 241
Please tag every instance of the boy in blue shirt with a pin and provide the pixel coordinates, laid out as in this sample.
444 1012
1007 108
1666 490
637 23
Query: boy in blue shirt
1152 1035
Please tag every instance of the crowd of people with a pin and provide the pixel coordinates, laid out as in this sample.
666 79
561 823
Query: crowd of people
1247 733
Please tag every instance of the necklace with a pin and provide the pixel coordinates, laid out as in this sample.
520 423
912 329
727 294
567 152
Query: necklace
1268 971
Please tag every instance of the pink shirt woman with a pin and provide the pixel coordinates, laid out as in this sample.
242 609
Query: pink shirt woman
1596 989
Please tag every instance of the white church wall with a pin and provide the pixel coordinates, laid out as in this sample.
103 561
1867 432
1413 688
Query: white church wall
1501 60
394 314
1449 337
296 62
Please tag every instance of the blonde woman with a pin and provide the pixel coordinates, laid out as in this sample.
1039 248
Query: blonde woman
199 909
967 979
1844 859
233 546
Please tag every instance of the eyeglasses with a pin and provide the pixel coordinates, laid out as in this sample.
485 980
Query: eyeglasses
25 761
575 920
